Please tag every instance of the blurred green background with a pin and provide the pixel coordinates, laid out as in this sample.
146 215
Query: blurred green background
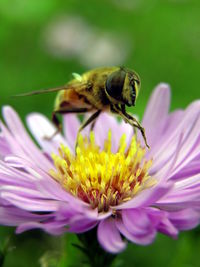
43 42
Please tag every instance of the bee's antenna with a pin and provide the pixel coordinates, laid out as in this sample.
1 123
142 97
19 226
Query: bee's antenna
43 91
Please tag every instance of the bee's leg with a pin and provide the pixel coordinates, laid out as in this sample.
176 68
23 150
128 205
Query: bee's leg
137 125
91 119
56 121
131 120
57 124
94 122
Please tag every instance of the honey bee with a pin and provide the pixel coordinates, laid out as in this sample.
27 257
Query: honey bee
102 89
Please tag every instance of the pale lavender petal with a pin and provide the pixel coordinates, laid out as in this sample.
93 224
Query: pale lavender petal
14 147
189 170
53 190
71 126
22 191
189 149
41 128
20 142
127 129
31 204
103 124
165 170
13 216
107 122
168 148
156 113
184 194
146 197
180 200
9 175
40 179
4 147
171 123
109 236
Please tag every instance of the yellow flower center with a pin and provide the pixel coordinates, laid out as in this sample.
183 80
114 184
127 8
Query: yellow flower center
100 177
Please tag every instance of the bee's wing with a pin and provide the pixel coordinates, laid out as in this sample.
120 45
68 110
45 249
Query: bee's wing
75 86
42 91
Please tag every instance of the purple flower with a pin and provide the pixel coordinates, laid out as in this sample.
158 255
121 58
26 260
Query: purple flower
112 183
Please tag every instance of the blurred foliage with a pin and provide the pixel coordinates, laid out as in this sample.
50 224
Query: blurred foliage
163 39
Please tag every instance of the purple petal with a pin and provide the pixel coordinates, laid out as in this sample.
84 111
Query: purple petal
166 227
137 221
109 236
185 219
145 239
53 228
80 224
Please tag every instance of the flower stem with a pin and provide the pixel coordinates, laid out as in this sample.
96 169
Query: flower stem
97 257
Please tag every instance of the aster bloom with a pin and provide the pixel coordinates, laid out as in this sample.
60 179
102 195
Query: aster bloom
112 183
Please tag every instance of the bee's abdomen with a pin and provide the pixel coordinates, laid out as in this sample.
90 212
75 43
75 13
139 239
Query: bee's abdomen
70 98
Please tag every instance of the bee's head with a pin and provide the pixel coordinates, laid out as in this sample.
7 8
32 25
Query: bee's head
123 86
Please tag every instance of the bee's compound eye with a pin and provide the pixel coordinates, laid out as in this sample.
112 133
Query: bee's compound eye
115 83
133 94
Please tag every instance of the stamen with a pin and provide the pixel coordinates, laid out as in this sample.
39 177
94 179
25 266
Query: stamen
100 177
